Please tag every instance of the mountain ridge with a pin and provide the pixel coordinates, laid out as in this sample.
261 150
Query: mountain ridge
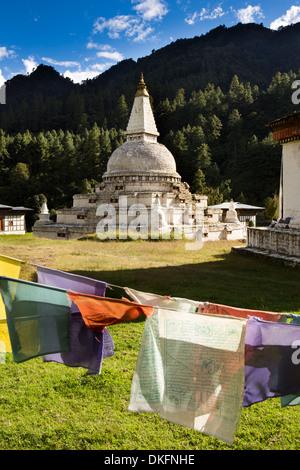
212 98
251 51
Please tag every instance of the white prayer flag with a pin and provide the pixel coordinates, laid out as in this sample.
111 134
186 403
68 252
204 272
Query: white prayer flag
190 370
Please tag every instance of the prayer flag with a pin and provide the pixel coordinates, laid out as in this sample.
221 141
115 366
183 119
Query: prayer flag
69 281
5 346
38 318
237 312
87 348
272 364
292 399
190 370
155 300
9 267
99 312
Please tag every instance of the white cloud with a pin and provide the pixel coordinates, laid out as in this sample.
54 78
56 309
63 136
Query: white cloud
249 14
103 47
204 14
2 79
80 75
150 9
292 16
135 27
29 64
114 25
115 56
129 25
106 51
139 32
101 67
93 71
60 63
6 53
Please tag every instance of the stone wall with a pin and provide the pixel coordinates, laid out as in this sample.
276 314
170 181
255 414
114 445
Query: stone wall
60 232
218 231
285 241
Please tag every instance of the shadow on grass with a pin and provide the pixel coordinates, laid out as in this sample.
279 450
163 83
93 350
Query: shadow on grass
232 280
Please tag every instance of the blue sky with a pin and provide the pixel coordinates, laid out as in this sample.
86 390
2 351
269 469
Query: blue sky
83 38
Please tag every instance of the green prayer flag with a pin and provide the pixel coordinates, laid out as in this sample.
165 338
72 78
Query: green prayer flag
38 318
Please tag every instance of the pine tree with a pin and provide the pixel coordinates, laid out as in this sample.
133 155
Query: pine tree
122 113
91 149
203 157
214 99
234 137
272 205
4 154
162 115
19 175
197 104
213 129
179 99
199 182
39 154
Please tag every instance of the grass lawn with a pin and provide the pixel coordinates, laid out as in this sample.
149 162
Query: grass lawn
47 406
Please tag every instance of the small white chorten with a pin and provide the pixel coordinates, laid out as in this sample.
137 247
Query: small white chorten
231 216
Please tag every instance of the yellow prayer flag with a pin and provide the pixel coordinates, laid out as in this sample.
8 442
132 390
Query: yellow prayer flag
5 345
9 267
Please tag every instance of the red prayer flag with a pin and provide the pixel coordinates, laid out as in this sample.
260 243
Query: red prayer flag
100 312
240 312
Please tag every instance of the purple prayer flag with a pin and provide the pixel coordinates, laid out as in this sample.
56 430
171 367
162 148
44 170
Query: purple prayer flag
272 368
87 348
69 281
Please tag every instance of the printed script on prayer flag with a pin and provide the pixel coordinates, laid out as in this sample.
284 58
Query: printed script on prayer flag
190 370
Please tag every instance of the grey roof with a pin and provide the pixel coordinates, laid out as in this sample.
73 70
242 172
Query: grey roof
237 205
4 207
21 209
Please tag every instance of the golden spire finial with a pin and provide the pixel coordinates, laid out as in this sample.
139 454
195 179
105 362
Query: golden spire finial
142 89
142 79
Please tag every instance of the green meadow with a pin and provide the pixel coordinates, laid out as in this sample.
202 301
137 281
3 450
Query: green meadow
48 406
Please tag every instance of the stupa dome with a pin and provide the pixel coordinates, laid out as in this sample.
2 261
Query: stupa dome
141 154
141 157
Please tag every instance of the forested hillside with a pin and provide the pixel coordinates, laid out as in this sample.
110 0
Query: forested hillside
212 97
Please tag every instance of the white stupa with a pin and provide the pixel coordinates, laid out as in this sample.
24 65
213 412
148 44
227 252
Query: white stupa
141 171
